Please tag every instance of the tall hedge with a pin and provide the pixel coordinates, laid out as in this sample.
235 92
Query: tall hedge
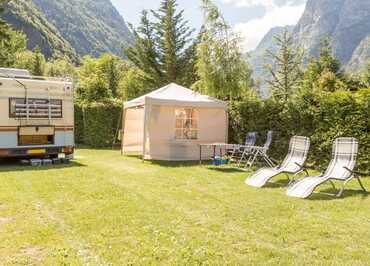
96 123
321 117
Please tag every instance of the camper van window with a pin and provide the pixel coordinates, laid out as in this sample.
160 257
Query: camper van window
37 108
186 127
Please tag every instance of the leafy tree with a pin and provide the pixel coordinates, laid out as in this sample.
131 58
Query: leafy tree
32 61
286 71
99 79
38 68
60 68
24 60
132 84
11 42
9 48
220 66
163 48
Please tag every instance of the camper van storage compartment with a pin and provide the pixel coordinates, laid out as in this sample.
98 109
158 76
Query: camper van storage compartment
35 135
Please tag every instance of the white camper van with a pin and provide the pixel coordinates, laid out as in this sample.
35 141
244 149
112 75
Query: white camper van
36 115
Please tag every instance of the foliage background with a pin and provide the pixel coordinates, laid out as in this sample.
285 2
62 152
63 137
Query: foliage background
321 117
96 124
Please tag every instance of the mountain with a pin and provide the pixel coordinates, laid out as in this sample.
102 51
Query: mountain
360 57
25 16
70 27
345 22
90 26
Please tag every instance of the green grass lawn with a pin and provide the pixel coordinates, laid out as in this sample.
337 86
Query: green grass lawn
105 209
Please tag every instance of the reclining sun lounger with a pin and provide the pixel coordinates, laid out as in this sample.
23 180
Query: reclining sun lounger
340 168
292 164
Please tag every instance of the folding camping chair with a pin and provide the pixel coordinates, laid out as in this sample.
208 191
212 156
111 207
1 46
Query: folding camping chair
262 152
246 150
239 151
341 167
297 155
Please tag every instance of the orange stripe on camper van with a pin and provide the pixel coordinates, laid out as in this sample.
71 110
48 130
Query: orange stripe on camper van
8 129
67 128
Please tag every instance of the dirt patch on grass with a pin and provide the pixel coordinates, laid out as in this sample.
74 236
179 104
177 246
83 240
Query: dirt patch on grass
6 220
33 253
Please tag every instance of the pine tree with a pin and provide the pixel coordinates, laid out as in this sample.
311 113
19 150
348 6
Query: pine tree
286 69
327 60
163 48
143 53
172 38
325 72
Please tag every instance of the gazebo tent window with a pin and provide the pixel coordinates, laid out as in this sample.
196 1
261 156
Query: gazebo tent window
186 127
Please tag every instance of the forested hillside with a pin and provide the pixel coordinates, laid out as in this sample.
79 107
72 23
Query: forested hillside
24 16
69 27
90 26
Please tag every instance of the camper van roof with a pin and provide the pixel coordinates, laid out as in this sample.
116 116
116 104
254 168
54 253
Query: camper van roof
13 72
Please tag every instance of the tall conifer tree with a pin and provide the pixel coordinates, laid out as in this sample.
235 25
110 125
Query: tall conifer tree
286 69
163 48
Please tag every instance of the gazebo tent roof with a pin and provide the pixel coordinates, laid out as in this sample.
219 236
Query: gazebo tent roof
176 95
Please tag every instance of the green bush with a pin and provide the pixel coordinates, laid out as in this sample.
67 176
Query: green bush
321 117
97 123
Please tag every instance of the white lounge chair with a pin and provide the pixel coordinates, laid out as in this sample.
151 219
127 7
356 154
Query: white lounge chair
340 168
292 164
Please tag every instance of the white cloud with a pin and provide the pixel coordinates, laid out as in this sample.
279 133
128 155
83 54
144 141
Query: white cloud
254 30
250 3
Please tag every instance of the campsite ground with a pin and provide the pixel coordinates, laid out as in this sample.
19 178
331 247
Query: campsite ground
108 209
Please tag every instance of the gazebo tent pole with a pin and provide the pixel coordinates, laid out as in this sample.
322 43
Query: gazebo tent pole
146 110
123 130
227 126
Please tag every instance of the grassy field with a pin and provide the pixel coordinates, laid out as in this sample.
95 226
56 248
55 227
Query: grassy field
105 209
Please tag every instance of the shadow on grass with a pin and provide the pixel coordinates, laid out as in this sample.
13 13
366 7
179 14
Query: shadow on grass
175 164
330 194
11 165
135 156
227 169
281 183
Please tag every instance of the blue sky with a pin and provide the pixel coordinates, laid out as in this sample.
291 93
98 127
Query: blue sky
252 18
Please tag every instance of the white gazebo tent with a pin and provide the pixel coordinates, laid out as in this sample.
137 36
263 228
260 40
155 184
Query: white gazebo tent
171 122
